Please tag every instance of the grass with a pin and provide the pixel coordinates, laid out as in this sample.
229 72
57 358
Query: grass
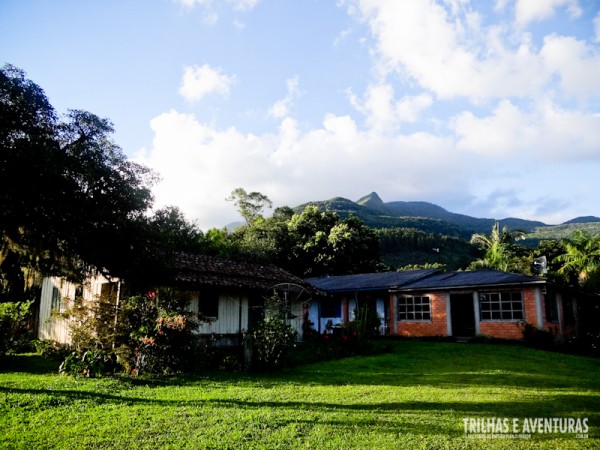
415 397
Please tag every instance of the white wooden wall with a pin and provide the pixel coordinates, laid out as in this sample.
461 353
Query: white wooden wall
51 326
228 321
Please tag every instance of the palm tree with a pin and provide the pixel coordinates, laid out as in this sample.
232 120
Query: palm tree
499 248
581 259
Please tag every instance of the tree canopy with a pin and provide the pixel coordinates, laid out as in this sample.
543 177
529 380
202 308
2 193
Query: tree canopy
501 253
250 205
70 198
580 261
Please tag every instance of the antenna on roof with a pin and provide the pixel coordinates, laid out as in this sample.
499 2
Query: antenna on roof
540 265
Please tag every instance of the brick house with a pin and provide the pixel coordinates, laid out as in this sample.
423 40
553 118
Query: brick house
460 304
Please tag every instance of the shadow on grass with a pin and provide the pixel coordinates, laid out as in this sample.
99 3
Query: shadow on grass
556 405
411 363
28 363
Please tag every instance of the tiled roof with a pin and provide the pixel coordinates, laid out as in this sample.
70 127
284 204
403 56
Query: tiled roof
476 278
203 270
368 281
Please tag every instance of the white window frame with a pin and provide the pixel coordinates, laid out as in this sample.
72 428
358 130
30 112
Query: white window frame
419 306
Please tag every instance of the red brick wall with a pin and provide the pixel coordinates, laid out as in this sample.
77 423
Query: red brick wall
504 330
438 326
512 330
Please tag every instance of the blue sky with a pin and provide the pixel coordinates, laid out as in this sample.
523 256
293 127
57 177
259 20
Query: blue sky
490 109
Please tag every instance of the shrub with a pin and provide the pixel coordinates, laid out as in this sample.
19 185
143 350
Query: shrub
89 363
271 340
50 349
94 323
160 332
15 334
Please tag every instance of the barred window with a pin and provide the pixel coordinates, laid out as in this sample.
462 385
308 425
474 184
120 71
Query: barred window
414 308
56 302
501 306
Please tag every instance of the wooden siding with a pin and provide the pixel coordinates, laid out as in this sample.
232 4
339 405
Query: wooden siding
228 320
50 325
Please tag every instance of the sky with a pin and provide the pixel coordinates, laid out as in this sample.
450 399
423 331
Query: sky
486 108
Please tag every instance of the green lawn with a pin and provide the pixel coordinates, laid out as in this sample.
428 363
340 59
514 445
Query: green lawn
415 397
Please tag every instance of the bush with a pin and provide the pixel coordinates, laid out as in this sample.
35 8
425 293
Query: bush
50 349
89 364
160 333
271 340
15 334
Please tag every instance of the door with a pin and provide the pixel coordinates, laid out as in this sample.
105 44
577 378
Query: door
462 314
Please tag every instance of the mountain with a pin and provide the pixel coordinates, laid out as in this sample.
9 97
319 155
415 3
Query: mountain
585 219
422 215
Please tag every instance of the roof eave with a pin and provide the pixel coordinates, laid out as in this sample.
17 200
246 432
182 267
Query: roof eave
468 286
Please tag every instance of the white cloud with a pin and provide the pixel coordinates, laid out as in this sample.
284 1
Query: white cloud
198 82
210 16
238 25
192 3
445 49
201 165
426 42
240 5
577 64
597 27
527 11
384 113
342 36
281 108
243 5
547 132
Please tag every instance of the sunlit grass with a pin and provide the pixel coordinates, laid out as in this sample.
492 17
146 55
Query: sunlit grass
415 397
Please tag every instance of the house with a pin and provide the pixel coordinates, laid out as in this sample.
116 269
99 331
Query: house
347 292
231 294
460 304
228 295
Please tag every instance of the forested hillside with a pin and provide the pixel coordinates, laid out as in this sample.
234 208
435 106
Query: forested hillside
422 233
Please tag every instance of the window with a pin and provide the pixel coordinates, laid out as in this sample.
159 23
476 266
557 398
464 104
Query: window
414 308
109 292
55 304
331 308
208 305
501 306
551 307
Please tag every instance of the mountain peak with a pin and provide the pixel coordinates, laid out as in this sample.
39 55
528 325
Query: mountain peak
372 201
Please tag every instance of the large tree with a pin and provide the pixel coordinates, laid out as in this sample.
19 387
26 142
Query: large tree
70 198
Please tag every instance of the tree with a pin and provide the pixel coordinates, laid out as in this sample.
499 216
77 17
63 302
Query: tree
580 262
70 198
501 253
310 243
320 243
29 158
250 205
